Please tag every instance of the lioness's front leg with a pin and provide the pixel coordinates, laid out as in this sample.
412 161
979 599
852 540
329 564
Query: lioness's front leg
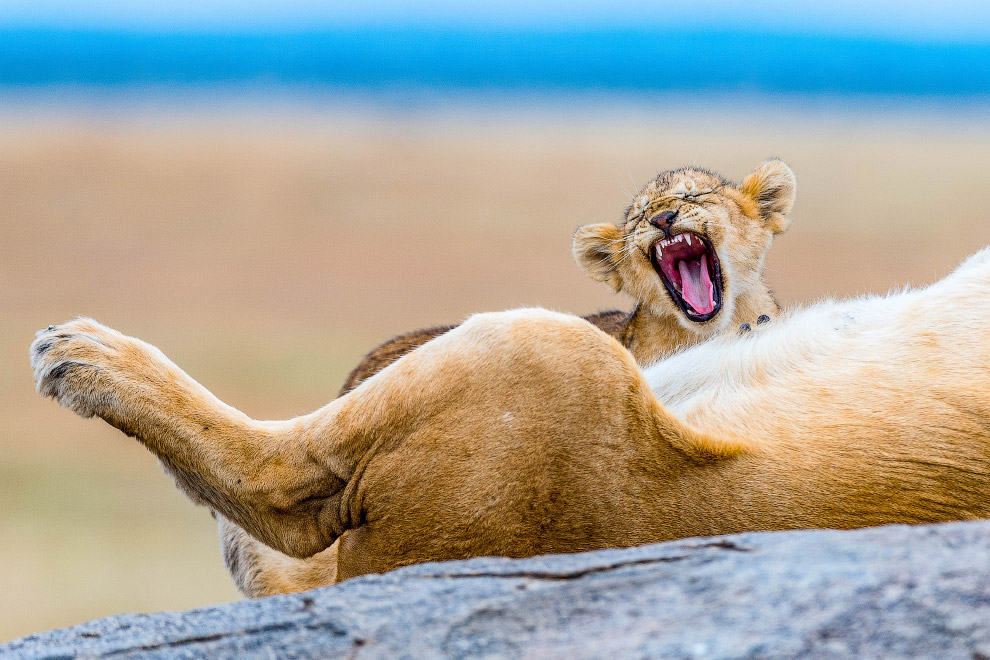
275 479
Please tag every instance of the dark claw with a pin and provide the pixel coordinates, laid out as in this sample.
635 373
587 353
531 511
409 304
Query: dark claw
51 327
763 318
744 328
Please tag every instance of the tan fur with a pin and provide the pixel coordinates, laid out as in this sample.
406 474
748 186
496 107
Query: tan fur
739 221
530 432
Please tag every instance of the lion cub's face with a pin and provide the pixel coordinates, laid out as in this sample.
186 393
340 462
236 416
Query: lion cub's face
691 242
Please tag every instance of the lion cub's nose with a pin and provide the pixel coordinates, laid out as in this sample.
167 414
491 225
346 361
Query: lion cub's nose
663 220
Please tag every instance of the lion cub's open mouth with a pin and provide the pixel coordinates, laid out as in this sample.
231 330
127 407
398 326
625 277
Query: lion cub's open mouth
689 268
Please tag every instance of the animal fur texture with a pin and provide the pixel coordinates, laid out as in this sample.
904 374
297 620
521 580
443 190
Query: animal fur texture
529 431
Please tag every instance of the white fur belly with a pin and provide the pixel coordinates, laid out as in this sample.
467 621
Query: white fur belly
869 352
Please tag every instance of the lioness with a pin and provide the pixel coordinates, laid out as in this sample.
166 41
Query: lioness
690 250
527 432
530 431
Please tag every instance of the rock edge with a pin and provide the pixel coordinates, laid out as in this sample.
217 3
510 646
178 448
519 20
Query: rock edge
886 592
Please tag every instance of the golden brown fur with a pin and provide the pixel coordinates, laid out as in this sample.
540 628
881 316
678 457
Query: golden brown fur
529 431
739 220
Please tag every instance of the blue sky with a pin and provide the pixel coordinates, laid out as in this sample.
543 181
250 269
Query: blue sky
962 20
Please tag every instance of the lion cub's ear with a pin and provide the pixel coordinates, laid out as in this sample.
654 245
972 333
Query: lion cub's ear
773 186
596 249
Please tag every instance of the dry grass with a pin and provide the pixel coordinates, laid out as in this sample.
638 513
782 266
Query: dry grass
266 253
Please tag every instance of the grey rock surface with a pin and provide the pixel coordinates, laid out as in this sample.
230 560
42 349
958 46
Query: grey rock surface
886 592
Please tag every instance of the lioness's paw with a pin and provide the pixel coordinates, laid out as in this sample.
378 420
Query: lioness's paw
72 363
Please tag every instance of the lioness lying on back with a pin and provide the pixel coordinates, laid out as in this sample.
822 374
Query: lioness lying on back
690 250
530 432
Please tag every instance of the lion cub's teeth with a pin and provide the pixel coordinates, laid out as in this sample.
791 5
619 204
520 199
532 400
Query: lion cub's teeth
689 239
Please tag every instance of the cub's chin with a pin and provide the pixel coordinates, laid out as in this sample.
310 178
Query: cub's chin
689 268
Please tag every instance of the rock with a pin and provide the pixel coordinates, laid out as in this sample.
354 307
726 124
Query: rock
885 592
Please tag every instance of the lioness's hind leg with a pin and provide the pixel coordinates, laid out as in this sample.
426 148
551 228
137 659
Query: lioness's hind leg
262 475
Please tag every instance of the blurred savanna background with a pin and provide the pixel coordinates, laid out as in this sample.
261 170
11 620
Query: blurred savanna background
268 191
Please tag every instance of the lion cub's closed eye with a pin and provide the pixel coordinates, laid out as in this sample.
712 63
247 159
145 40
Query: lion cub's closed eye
689 250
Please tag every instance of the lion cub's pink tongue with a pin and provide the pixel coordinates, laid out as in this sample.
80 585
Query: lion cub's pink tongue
696 284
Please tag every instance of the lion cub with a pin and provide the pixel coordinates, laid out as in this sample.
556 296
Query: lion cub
690 251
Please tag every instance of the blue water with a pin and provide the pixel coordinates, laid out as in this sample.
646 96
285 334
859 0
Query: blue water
527 60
